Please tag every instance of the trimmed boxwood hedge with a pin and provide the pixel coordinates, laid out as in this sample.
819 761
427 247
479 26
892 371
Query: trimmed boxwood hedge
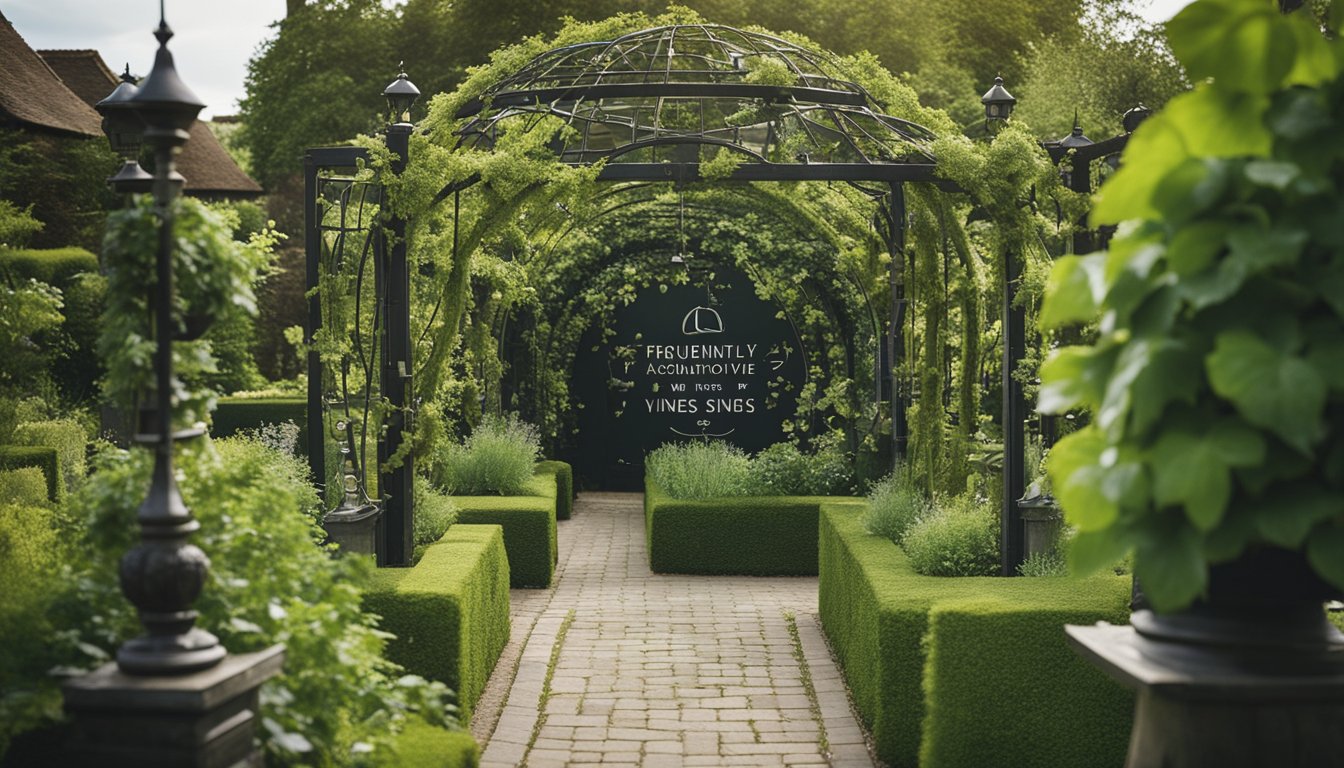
54 266
968 671
748 535
529 528
43 457
564 486
235 414
423 746
450 613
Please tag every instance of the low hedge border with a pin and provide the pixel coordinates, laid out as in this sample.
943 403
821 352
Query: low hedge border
235 414
43 457
748 535
564 486
450 613
968 671
529 528
421 745
54 266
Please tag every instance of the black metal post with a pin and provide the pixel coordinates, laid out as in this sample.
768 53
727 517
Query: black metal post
396 484
312 246
165 573
896 328
1014 414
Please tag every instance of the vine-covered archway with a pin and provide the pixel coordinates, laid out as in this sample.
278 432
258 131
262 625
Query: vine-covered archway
532 197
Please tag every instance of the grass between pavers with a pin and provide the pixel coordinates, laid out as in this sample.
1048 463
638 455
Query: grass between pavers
564 486
529 528
748 535
421 745
43 457
968 671
450 613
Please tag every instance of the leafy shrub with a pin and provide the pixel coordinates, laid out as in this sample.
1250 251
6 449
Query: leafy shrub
498 458
53 266
29 544
67 436
894 504
784 470
700 470
435 512
959 539
1050 563
25 485
270 581
282 437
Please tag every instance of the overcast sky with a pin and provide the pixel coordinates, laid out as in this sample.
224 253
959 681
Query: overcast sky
214 40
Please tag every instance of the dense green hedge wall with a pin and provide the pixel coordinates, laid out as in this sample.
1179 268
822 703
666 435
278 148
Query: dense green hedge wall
748 535
968 671
235 414
450 612
529 529
44 458
54 266
564 486
422 745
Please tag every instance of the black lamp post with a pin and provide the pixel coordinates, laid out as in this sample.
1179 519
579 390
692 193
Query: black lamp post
396 484
1075 140
164 574
125 132
998 103
174 696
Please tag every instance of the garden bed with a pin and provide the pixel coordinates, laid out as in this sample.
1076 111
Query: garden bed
237 414
564 486
529 528
747 535
450 612
968 671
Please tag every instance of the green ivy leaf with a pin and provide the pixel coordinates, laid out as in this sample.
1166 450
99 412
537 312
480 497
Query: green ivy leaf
1172 375
1325 552
1271 173
1092 551
1242 45
1089 489
1170 565
1260 248
1286 518
1195 246
1281 393
1194 470
1230 538
1074 376
1074 287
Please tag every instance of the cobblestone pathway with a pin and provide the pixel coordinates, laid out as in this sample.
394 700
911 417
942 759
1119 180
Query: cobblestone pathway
616 665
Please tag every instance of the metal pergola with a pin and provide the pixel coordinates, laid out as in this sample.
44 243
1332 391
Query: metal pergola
657 105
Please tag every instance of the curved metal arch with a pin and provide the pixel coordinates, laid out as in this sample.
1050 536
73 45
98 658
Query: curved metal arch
694 84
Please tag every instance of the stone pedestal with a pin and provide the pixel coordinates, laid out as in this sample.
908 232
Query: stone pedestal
1195 710
201 720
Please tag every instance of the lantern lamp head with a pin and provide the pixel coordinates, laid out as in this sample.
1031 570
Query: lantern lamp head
401 95
998 101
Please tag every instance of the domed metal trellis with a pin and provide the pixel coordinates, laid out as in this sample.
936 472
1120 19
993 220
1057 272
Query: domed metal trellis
680 94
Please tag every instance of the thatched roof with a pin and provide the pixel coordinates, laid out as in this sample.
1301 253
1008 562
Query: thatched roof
206 165
32 94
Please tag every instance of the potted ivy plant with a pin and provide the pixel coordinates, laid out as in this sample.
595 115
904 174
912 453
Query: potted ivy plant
1215 453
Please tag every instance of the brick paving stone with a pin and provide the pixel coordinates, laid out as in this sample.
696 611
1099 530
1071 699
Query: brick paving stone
660 671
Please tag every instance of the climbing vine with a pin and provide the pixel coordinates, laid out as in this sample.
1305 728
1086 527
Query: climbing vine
516 255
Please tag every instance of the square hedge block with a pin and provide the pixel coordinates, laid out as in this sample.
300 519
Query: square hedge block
421 745
564 486
44 458
529 528
450 612
748 535
943 670
235 414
